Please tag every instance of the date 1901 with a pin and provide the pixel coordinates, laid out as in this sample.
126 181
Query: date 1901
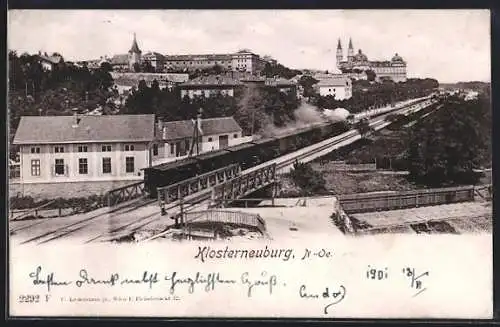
32 298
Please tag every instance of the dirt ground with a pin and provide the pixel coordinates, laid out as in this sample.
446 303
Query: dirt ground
338 182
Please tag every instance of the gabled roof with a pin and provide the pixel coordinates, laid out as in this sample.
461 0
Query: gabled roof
333 82
211 126
59 129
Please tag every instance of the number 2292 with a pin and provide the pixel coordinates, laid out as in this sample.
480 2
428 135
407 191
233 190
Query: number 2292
29 298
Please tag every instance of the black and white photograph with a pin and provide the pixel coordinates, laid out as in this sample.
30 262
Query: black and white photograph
299 141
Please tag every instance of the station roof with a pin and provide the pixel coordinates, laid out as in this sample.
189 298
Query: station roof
84 129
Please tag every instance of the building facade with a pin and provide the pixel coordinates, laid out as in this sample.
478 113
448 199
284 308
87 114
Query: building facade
358 64
84 148
340 88
206 86
180 138
49 62
155 59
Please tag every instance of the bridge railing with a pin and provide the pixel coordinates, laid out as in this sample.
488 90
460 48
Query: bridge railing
125 193
244 184
171 193
358 203
228 217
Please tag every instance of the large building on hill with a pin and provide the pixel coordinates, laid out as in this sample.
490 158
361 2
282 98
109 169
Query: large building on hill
241 61
358 63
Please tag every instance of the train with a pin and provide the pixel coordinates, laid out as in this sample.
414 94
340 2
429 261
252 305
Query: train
247 155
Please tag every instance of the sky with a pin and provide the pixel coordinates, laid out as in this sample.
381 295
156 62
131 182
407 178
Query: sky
449 45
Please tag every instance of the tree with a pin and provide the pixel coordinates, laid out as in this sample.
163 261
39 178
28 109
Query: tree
307 83
137 67
106 66
370 75
307 179
449 145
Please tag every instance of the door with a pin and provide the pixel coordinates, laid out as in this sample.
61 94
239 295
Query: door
223 141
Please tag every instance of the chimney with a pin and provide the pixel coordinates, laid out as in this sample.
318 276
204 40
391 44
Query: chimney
159 126
76 118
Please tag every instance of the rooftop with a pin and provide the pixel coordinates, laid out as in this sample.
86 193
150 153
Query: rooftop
199 57
51 59
210 126
120 59
338 81
59 129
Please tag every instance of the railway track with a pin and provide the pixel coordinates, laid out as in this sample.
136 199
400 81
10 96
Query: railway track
126 227
82 223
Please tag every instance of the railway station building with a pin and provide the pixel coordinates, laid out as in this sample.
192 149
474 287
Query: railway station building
84 148
179 137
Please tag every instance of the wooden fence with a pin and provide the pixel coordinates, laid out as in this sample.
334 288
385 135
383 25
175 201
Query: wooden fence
37 212
227 217
358 203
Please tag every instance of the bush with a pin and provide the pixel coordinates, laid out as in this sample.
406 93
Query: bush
82 203
307 179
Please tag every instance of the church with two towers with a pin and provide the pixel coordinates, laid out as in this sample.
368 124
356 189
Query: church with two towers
357 63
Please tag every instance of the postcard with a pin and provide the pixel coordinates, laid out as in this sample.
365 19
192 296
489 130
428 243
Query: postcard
250 163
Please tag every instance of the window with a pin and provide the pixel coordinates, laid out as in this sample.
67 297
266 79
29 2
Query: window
129 147
235 136
129 164
106 148
155 149
35 167
83 167
106 165
35 149
209 139
82 148
59 149
171 148
59 167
